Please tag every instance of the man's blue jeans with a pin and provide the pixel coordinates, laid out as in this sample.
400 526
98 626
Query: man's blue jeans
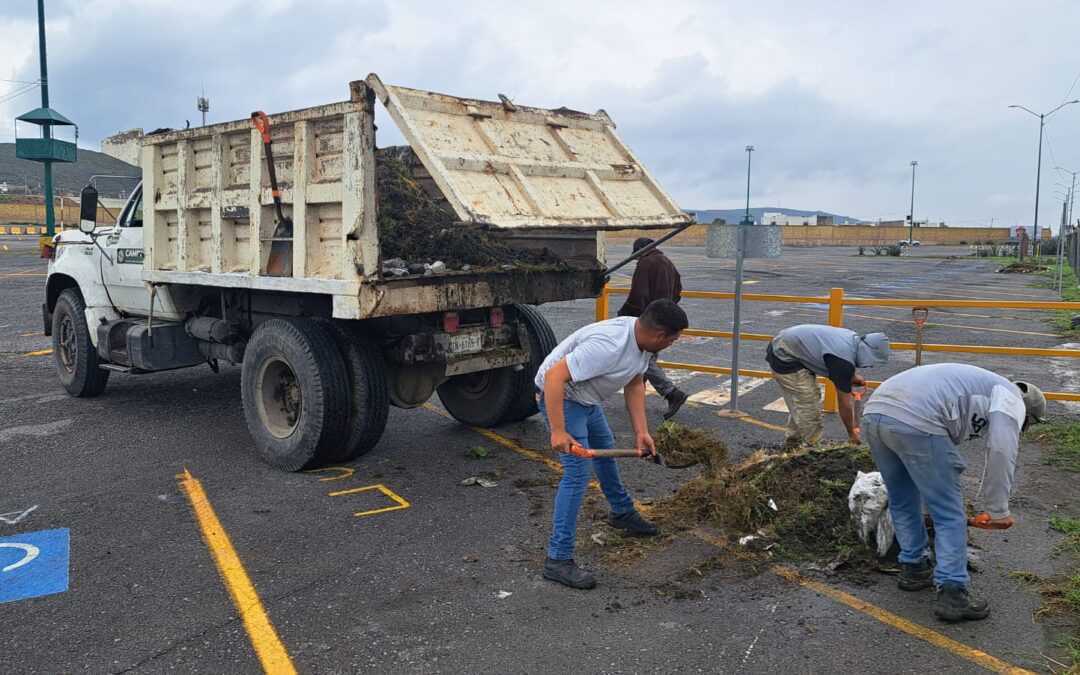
589 427
917 466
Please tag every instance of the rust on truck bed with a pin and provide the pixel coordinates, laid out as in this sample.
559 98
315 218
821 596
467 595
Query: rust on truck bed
465 290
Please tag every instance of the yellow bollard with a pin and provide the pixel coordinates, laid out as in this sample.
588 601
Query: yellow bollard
836 318
602 301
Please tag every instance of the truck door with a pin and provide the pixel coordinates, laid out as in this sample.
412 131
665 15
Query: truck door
124 245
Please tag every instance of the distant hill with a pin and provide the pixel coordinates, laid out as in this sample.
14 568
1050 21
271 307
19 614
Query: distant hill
735 215
68 179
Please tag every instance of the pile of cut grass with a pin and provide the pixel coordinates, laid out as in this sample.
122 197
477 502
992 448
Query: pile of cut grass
797 499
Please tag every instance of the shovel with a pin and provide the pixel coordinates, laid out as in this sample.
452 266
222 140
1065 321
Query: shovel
280 262
591 453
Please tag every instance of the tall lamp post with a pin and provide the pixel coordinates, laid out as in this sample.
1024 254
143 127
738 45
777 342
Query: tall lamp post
1038 168
1067 223
911 213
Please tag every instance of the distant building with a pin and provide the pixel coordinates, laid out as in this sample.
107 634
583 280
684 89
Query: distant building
769 218
904 223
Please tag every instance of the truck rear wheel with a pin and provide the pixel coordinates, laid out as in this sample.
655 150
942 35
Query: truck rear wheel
75 356
295 393
480 399
541 343
369 406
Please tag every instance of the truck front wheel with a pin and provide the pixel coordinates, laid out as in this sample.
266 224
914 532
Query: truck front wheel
295 393
74 354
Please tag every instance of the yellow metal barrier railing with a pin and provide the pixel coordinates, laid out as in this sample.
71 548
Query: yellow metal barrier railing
836 302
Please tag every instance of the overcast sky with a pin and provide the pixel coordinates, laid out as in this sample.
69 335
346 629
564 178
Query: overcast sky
836 97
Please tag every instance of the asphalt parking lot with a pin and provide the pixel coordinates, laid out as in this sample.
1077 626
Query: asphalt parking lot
389 564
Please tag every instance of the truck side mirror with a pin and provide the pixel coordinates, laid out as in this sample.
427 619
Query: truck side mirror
88 210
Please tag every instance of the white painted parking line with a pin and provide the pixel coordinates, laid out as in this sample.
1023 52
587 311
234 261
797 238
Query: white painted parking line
777 406
780 406
722 394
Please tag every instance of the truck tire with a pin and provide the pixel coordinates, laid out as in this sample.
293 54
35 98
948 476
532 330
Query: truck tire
480 399
541 343
295 393
369 398
75 356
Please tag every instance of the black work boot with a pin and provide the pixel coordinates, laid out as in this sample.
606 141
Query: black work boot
675 401
915 576
634 524
954 603
567 573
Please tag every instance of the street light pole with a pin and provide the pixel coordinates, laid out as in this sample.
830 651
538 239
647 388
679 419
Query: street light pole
911 213
1061 232
747 220
1038 168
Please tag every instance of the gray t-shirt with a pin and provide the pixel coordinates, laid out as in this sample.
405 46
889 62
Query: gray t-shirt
962 402
809 343
602 357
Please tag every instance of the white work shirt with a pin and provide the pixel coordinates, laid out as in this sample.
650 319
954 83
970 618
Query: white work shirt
962 402
602 357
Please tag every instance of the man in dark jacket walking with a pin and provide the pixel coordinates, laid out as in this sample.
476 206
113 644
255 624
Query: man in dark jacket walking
655 278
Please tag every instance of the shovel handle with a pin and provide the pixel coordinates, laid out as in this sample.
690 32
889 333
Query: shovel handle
590 453
984 522
262 123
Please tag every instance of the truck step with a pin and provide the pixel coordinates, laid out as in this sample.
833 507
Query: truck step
116 368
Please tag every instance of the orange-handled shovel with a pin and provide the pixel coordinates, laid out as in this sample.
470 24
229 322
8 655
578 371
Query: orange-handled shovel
591 453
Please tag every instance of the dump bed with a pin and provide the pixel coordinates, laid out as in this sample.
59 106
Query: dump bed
530 176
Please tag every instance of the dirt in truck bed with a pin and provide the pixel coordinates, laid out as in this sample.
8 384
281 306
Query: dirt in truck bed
415 228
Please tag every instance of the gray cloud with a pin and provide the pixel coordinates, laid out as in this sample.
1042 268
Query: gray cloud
836 99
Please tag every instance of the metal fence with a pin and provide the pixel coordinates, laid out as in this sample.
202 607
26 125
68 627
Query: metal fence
836 302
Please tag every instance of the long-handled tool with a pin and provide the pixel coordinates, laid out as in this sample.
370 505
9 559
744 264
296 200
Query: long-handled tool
590 453
857 393
918 315
280 262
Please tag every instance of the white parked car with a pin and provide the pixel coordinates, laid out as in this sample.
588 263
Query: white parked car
905 242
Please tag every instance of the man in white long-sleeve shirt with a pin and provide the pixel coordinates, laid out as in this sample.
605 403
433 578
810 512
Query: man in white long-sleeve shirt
913 423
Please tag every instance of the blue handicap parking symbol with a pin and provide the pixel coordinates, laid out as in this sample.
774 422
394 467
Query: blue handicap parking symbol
33 564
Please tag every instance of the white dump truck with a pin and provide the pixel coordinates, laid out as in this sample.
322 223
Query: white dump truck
222 255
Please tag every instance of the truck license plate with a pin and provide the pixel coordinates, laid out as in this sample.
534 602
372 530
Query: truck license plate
466 344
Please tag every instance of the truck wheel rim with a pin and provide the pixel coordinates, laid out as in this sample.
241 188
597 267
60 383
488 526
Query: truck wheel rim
475 385
66 340
278 397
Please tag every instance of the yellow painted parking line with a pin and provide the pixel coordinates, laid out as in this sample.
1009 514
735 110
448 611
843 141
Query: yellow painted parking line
40 352
751 420
506 442
345 472
394 497
980 658
264 638
29 271
37 334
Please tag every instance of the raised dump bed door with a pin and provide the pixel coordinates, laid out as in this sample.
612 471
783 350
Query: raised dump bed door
503 165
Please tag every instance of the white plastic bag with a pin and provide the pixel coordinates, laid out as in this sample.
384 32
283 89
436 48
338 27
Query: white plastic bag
868 501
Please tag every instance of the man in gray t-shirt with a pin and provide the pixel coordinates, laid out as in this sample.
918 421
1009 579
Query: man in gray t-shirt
586 368
799 354
913 423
